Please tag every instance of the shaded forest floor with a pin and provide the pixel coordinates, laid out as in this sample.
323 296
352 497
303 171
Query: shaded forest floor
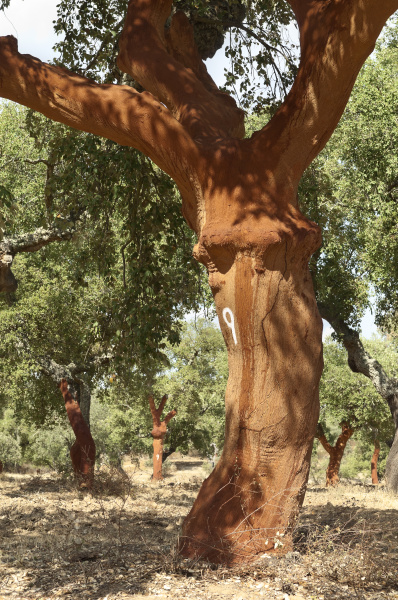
118 543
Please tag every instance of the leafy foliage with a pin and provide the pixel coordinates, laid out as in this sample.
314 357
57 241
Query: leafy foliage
348 396
262 56
351 191
195 381
351 397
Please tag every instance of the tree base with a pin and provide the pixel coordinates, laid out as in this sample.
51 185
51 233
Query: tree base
239 515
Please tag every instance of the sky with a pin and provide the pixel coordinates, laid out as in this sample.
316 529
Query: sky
30 21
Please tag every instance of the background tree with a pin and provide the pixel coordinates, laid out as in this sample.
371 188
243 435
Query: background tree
347 397
158 433
196 382
194 378
78 303
335 452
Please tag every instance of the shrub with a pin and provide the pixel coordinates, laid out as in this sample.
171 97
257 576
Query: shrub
50 447
10 452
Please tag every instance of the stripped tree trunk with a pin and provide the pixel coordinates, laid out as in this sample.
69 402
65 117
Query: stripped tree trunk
258 484
77 404
159 433
335 452
374 461
82 452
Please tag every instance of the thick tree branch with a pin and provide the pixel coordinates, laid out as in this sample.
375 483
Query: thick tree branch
209 28
157 412
115 112
154 412
162 404
71 371
169 416
57 372
178 79
35 240
336 37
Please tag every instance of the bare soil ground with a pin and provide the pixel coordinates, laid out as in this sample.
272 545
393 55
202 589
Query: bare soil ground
119 543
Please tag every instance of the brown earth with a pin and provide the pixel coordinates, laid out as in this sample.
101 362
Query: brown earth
118 542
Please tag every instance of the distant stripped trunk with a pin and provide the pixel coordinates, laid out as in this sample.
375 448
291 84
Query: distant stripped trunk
360 361
82 452
374 461
159 433
335 452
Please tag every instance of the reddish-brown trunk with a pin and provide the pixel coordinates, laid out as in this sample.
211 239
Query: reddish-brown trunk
374 461
157 458
82 452
335 452
269 319
159 433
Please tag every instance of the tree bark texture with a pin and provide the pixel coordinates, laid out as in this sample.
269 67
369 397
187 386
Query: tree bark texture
82 452
335 452
360 361
159 433
374 461
268 317
240 197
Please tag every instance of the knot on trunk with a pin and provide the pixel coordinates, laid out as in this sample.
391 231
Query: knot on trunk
159 431
220 246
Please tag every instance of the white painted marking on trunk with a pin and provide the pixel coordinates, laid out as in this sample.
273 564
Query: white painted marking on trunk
230 322
157 457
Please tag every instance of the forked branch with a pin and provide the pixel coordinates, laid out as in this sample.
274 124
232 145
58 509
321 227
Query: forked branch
169 66
157 412
28 242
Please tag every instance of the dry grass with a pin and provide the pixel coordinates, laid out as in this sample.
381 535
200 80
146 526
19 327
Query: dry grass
119 542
